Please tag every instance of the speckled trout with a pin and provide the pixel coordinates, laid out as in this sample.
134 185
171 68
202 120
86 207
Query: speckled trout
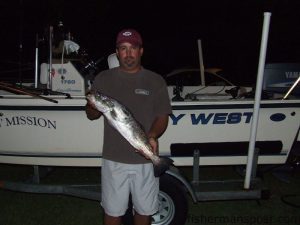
123 121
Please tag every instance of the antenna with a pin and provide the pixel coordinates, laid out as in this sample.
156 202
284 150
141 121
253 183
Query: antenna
201 62
21 41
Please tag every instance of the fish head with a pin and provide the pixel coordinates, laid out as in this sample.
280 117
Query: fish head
100 101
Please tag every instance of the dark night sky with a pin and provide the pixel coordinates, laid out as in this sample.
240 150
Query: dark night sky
230 31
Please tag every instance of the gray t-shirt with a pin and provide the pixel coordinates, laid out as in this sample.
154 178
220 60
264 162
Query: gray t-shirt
144 94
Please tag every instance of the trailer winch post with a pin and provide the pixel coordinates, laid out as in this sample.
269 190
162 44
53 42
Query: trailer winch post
196 161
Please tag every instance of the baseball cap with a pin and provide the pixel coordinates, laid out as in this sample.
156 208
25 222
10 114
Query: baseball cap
129 35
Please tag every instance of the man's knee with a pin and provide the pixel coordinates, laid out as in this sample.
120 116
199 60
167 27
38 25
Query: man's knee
142 219
111 220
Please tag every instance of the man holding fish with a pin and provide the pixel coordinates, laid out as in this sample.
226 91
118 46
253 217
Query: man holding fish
136 105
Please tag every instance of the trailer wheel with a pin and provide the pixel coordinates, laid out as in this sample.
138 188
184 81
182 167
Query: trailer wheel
173 204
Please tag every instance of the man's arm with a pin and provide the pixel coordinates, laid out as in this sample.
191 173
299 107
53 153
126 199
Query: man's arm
158 126
91 112
157 129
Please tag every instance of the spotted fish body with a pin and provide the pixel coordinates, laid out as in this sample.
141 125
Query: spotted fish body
122 120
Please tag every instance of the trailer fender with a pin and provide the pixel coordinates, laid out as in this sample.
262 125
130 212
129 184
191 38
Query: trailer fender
175 172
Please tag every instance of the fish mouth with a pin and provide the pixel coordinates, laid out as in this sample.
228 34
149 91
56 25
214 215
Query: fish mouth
98 101
94 96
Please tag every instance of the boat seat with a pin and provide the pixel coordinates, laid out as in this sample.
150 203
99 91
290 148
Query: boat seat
113 61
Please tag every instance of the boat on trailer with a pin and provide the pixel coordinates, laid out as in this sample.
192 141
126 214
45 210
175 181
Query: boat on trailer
207 131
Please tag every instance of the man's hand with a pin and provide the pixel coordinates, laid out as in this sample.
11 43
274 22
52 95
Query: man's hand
91 112
154 144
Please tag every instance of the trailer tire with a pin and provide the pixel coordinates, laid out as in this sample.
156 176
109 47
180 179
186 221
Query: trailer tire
173 206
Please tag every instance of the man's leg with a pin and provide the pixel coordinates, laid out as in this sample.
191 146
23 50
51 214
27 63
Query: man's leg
144 190
111 220
141 219
115 191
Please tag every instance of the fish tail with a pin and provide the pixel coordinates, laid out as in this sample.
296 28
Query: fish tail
162 165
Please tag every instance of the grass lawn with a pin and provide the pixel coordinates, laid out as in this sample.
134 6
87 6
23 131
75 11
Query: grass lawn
44 209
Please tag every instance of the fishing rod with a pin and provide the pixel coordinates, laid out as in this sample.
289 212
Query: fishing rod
12 88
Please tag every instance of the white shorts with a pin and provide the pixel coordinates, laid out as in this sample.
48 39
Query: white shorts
119 179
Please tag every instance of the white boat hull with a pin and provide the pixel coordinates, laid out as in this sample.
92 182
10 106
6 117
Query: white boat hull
38 132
